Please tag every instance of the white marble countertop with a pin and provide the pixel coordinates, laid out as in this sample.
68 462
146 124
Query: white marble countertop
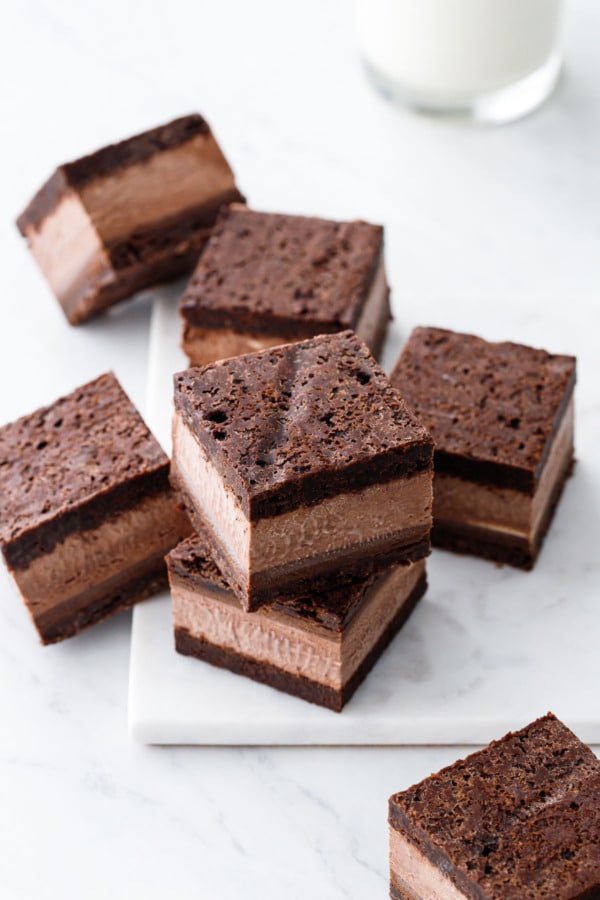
507 220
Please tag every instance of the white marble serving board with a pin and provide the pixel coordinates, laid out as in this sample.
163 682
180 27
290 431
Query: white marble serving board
487 649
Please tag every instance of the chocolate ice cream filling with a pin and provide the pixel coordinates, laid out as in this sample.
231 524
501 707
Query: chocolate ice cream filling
89 558
348 525
300 647
414 876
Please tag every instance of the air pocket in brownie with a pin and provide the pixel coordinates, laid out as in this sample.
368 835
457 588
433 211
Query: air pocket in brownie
305 464
501 416
266 279
519 819
87 512
318 645
128 216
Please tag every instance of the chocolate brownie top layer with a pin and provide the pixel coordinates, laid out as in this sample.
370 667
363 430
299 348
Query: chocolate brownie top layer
107 160
260 271
300 422
332 610
519 819
492 409
63 456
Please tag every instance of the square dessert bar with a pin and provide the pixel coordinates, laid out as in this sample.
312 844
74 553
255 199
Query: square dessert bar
128 216
266 279
304 463
86 510
519 820
318 645
501 416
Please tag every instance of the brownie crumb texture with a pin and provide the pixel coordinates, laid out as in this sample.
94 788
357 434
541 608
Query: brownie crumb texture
84 444
492 402
520 818
278 415
290 267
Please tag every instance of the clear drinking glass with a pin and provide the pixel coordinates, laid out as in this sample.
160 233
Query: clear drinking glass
488 60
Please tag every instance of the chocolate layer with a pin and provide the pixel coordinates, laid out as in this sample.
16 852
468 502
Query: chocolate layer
139 261
87 510
63 466
106 161
292 276
296 424
128 216
205 344
88 558
316 645
492 409
93 573
312 691
528 823
352 533
485 517
110 598
322 574
518 552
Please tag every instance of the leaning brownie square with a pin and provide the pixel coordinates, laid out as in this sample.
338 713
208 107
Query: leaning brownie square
128 216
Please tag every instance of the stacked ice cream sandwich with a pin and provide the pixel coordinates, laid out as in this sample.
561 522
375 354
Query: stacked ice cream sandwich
309 483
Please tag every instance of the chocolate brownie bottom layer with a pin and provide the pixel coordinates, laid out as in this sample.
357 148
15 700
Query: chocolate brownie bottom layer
312 691
400 891
499 547
169 235
96 605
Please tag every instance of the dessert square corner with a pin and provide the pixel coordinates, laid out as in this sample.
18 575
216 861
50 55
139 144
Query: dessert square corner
520 818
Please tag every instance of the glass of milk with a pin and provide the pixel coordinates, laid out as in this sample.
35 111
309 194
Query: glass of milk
488 60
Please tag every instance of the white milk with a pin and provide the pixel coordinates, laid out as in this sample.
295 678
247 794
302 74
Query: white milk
453 50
